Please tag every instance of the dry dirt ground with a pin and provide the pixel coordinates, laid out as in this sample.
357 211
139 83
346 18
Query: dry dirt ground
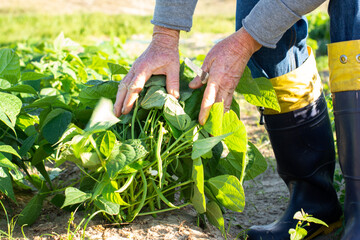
266 196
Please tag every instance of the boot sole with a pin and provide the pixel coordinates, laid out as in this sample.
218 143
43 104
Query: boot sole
323 230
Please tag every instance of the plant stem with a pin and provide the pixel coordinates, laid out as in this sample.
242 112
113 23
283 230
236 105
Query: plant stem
158 154
133 120
163 210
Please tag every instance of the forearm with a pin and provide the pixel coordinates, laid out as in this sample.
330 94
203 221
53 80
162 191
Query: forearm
270 19
174 14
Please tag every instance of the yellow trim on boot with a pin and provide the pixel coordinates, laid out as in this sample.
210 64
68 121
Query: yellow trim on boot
297 88
344 65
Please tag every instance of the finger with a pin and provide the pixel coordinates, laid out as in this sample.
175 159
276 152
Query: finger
120 96
121 93
227 103
207 102
195 83
223 95
172 82
135 87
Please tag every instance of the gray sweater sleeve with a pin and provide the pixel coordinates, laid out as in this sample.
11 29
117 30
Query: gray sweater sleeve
174 14
269 19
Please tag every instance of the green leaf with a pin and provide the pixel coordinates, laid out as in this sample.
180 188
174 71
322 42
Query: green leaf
198 197
156 80
235 107
107 143
6 183
215 217
10 106
256 162
238 140
49 101
214 124
9 65
123 155
175 114
103 117
155 98
9 149
91 95
62 43
30 76
27 144
117 68
315 220
41 153
203 146
233 164
109 194
4 84
21 89
297 234
75 196
228 191
90 160
247 85
107 206
55 124
32 211
41 168
6 163
258 91
193 103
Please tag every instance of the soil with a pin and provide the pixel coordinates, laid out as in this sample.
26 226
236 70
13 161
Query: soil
266 196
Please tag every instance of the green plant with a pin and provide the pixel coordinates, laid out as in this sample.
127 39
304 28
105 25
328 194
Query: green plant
10 225
130 166
304 220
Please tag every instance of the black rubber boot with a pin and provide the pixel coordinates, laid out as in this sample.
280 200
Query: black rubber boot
347 122
302 141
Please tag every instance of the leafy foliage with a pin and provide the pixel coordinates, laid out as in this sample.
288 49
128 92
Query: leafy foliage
56 104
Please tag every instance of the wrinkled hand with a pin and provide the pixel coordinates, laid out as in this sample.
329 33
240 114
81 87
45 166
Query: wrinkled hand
161 57
225 64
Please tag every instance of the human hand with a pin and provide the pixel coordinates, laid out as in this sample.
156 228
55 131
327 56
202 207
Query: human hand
161 57
225 64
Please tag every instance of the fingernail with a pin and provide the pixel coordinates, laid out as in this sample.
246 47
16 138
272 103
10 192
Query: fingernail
123 110
204 119
176 94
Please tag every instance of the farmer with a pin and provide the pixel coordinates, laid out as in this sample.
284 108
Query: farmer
271 40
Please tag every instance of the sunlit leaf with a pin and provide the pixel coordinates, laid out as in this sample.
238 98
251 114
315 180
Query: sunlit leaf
9 65
198 197
175 114
228 191
107 206
10 106
203 146
103 116
155 98
75 196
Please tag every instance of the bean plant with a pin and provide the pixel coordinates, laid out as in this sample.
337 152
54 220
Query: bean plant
56 108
